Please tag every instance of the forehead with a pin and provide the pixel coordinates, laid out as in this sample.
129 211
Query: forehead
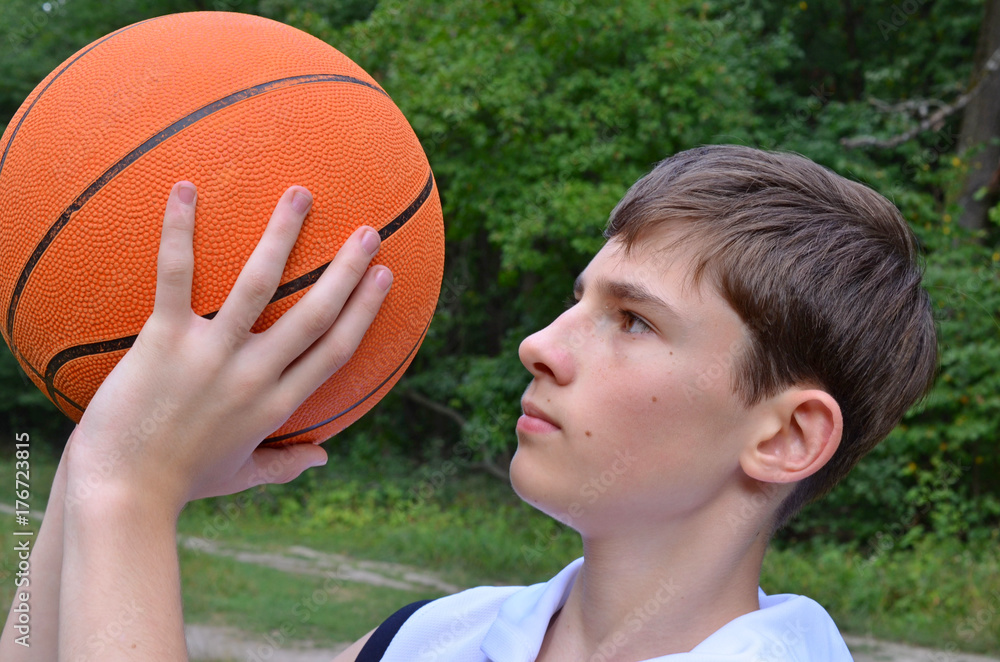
664 268
655 263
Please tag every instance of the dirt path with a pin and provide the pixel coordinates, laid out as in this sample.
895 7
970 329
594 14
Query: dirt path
305 561
866 649
228 644
208 643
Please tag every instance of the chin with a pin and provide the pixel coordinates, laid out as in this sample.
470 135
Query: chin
516 472
536 489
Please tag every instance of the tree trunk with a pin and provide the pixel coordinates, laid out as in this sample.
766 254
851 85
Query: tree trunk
981 128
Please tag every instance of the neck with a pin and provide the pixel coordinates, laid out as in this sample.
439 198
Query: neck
641 595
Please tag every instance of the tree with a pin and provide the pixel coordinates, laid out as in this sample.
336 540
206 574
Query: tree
979 140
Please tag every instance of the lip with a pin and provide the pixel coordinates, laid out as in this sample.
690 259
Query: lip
534 419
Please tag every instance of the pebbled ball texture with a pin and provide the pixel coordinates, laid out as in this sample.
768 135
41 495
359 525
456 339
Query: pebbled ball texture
243 107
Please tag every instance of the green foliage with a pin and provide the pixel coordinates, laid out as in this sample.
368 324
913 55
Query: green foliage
23 408
952 441
936 593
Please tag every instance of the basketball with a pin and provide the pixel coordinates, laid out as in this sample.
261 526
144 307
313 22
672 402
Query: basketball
243 107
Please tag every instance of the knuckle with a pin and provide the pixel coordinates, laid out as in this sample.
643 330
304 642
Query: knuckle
173 270
316 322
338 352
370 304
275 412
259 285
177 221
278 409
285 231
235 336
250 380
356 267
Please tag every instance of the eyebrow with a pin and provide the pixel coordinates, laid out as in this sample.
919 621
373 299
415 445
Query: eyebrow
629 292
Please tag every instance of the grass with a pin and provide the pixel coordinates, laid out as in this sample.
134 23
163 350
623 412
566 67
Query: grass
471 530
219 591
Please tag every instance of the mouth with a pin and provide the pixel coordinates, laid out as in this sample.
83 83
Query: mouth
534 419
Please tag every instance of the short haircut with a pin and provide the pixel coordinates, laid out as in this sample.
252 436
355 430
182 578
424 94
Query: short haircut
824 272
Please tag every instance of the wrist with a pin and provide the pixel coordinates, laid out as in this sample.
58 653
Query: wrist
103 486
106 508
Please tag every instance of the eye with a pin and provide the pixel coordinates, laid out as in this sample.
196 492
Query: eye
570 301
632 323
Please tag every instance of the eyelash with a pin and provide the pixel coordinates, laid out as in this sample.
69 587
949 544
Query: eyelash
627 316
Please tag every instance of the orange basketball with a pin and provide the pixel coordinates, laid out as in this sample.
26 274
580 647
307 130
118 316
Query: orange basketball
244 107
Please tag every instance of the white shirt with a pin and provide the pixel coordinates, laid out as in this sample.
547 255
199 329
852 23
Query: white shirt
507 624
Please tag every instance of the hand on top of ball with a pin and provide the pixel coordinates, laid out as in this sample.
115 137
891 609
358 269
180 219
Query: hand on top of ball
182 414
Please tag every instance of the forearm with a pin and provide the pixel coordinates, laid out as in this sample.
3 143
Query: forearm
121 597
42 642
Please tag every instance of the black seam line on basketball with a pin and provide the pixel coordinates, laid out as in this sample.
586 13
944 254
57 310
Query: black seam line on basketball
3 159
359 402
148 145
305 280
38 374
19 355
17 128
125 343
79 351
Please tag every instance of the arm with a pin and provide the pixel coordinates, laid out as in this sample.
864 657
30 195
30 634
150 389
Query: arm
204 393
46 568
350 654
121 598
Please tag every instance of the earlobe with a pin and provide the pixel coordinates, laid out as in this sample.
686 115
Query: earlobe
808 428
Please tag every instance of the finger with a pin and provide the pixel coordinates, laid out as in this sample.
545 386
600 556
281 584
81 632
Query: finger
267 465
319 308
282 464
175 259
336 346
261 274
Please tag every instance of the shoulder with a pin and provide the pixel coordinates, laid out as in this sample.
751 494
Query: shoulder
483 623
451 627
787 627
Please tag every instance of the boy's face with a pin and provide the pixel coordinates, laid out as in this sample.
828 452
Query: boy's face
630 417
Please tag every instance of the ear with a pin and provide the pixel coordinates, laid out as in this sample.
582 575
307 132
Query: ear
806 426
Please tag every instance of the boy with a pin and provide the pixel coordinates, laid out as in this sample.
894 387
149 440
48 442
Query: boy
753 326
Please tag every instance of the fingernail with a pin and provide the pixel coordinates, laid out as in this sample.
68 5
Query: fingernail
301 202
383 278
185 193
370 242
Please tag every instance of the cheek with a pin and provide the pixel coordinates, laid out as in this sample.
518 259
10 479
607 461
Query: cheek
642 396
684 406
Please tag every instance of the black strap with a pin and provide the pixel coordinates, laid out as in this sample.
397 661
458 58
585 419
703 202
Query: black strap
375 647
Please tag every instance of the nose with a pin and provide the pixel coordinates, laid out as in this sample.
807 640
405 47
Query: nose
550 352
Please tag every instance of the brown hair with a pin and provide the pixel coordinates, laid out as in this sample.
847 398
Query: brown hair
823 271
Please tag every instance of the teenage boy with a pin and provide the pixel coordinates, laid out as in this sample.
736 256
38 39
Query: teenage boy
753 326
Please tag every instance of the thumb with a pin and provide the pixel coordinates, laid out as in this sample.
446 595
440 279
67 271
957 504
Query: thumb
283 464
